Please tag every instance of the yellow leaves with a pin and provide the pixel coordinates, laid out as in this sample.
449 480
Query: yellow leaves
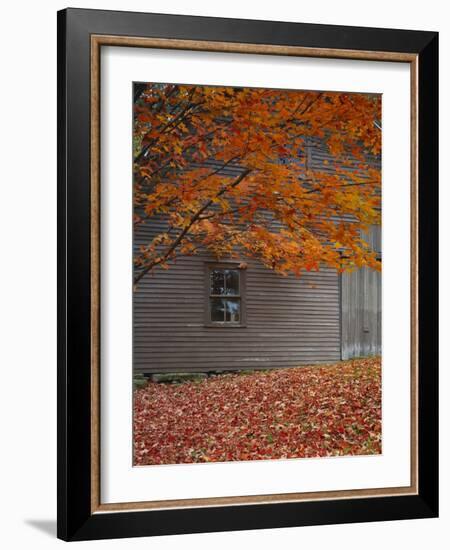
207 226
287 213
335 144
187 249
178 148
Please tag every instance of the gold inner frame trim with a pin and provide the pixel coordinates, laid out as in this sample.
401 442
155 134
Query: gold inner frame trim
97 41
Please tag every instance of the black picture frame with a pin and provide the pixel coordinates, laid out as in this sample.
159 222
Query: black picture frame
75 518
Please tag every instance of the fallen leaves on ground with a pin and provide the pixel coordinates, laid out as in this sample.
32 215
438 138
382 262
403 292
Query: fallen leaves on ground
313 411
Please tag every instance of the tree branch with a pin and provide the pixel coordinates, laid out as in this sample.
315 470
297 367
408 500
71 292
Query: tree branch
193 220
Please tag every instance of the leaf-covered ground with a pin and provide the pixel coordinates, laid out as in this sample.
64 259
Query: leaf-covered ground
315 411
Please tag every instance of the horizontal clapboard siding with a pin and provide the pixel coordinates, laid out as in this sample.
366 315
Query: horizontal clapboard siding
290 321
319 158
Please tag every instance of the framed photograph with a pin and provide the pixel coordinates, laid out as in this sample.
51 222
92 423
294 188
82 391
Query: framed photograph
247 274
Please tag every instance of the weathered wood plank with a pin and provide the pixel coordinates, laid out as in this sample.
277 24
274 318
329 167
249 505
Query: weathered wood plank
361 307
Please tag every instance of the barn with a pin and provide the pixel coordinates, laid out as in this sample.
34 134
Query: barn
204 315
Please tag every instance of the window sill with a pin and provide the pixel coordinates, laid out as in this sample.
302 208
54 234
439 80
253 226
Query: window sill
224 325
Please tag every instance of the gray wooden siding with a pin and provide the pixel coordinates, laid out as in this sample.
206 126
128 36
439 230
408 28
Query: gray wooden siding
361 307
361 289
290 321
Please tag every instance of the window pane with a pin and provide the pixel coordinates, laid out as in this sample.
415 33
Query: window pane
223 310
217 310
232 311
217 281
231 282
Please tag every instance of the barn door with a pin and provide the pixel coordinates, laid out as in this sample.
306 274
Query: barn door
361 309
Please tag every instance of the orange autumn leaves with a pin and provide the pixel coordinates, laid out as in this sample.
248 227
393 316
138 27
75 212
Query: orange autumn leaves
331 410
227 169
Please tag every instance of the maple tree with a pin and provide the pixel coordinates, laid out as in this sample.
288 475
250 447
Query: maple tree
227 169
309 411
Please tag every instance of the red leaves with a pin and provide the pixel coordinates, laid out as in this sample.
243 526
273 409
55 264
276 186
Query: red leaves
300 412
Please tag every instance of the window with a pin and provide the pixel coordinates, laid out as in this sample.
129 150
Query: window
225 295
